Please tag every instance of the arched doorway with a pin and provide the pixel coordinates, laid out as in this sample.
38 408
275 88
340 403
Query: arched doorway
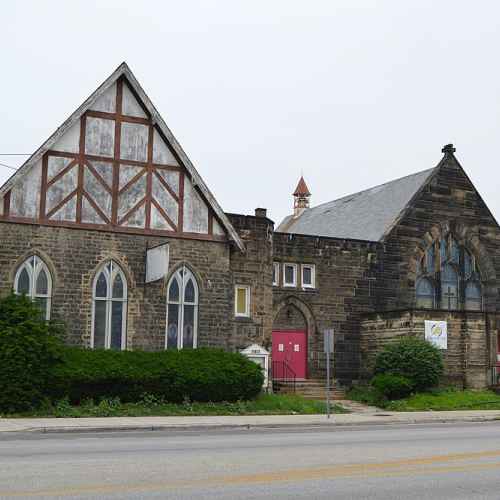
290 337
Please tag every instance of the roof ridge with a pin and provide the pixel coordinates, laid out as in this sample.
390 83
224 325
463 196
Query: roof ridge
372 187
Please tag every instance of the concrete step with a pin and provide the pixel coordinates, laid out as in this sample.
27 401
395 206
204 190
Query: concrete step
310 389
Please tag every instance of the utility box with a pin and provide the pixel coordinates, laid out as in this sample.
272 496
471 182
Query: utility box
259 355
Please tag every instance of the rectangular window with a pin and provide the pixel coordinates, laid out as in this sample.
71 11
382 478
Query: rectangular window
276 273
308 276
242 301
290 275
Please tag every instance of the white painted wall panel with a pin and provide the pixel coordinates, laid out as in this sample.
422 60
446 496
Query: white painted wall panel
61 188
89 215
97 192
134 142
158 221
161 152
67 212
25 195
105 170
127 173
195 210
130 106
171 178
100 137
70 141
135 193
165 200
107 101
55 164
138 219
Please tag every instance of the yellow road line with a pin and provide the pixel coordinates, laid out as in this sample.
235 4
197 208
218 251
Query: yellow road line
402 467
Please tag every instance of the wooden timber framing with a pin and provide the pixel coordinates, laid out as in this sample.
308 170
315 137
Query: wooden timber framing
82 162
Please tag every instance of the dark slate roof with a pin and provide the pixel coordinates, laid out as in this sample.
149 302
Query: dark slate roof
366 215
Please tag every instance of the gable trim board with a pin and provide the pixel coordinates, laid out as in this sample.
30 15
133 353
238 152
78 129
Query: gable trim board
124 74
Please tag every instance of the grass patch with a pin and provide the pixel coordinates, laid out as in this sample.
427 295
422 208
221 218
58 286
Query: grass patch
448 399
435 400
264 404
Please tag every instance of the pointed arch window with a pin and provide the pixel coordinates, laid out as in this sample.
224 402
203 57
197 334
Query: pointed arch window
34 280
449 287
182 311
425 294
109 313
451 270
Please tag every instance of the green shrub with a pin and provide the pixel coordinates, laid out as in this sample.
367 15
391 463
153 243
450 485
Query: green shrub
29 350
171 376
392 386
417 360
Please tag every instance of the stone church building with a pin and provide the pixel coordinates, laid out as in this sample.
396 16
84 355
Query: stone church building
112 184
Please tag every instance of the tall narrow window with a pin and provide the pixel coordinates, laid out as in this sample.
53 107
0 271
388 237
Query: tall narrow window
182 311
109 315
425 294
449 288
33 279
276 273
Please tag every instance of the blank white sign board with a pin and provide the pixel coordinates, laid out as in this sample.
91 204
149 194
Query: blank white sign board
157 263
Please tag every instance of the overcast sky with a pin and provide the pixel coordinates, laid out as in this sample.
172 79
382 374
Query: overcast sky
351 93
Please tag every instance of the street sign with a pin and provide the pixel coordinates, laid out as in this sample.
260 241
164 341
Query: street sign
328 340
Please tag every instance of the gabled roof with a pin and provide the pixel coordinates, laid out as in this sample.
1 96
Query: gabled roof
124 71
301 189
366 215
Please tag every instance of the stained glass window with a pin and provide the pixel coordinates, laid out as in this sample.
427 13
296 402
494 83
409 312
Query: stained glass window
449 287
33 279
425 294
182 310
110 308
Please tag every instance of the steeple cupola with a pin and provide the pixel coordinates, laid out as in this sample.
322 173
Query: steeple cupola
301 197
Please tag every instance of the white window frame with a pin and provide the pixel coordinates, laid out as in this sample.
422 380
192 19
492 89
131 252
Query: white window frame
110 278
246 314
34 265
294 266
183 274
276 271
312 267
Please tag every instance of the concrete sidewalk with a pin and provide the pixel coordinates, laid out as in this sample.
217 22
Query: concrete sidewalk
235 422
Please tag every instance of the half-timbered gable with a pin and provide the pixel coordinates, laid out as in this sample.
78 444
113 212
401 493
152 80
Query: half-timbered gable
115 165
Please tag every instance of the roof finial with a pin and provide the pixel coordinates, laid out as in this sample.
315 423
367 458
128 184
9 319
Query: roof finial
448 149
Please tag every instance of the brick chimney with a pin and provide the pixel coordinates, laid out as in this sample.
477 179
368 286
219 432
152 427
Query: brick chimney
301 197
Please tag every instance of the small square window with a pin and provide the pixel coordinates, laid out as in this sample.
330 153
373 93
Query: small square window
276 273
242 301
308 276
290 275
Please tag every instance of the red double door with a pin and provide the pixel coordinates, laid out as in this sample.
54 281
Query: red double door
291 346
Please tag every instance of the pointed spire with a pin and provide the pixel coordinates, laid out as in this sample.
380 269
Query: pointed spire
302 189
301 197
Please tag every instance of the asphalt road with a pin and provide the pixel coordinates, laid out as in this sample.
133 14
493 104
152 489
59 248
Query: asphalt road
443 461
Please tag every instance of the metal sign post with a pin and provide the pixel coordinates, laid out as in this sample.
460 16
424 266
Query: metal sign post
328 348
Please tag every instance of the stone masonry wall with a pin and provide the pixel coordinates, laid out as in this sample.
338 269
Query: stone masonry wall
342 293
73 256
471 337
253 268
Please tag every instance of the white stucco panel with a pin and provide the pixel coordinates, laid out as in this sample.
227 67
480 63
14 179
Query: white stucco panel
89 214
134 142
67 212
158 221
25 195
100 137
138 219
61 188
165 200
55 164
70 141
195 210
135 193
107 101
130 105
161 152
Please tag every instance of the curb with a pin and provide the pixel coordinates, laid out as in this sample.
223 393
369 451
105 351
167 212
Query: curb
230 427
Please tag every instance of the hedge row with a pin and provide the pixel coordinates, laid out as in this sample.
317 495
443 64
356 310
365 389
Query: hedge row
35 365
175 376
